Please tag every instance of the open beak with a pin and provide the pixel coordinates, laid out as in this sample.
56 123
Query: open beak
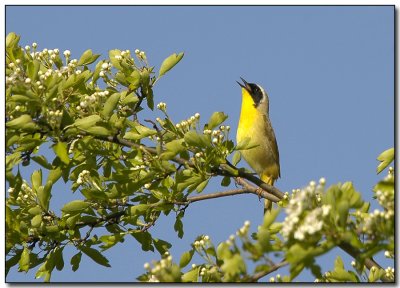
245 85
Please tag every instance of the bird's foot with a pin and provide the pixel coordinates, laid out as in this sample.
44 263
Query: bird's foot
238 181
259 191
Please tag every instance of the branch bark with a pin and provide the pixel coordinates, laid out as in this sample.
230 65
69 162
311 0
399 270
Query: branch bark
261 274
368 262
224 169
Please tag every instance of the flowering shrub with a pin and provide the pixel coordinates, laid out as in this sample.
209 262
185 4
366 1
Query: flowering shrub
127 173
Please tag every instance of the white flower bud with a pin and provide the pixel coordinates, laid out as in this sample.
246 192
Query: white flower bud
67 53
34 44
28 80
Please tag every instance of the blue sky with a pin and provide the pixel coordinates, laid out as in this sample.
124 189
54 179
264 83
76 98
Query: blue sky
328 72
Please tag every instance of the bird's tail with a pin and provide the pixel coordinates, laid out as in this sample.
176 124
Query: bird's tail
269 180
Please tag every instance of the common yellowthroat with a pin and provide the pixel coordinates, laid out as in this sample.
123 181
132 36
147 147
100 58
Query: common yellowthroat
254 124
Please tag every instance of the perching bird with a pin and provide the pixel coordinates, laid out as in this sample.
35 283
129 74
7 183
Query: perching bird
254 124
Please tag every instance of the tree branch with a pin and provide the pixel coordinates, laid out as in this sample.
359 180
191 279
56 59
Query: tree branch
225 169
368 262
261 274
250 190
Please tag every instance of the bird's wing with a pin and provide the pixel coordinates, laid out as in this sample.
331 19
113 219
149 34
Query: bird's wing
271 140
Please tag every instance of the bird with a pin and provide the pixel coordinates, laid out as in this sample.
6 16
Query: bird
255 127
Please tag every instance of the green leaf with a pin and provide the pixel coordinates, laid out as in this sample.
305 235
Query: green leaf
35 210
36 221
161 245
236 158
202 185
24 98
41 160
139 209
87 58
75 260
54 175
12 40
60 148
343 211
36 179
169 63
186 258
340 274
145 239
24 260
134 80
226 181
150 99
375 274
270 216
130 99
234 266
110 240
58 258
44 195
173 148
33 69
139 132
19 122
12 261
75 80
75 206
216 119
95 255
223 251
386 157
192 138
110 105
178 226
87 122
98 131
191 275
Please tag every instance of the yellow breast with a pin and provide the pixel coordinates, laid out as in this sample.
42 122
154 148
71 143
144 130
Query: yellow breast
251 125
